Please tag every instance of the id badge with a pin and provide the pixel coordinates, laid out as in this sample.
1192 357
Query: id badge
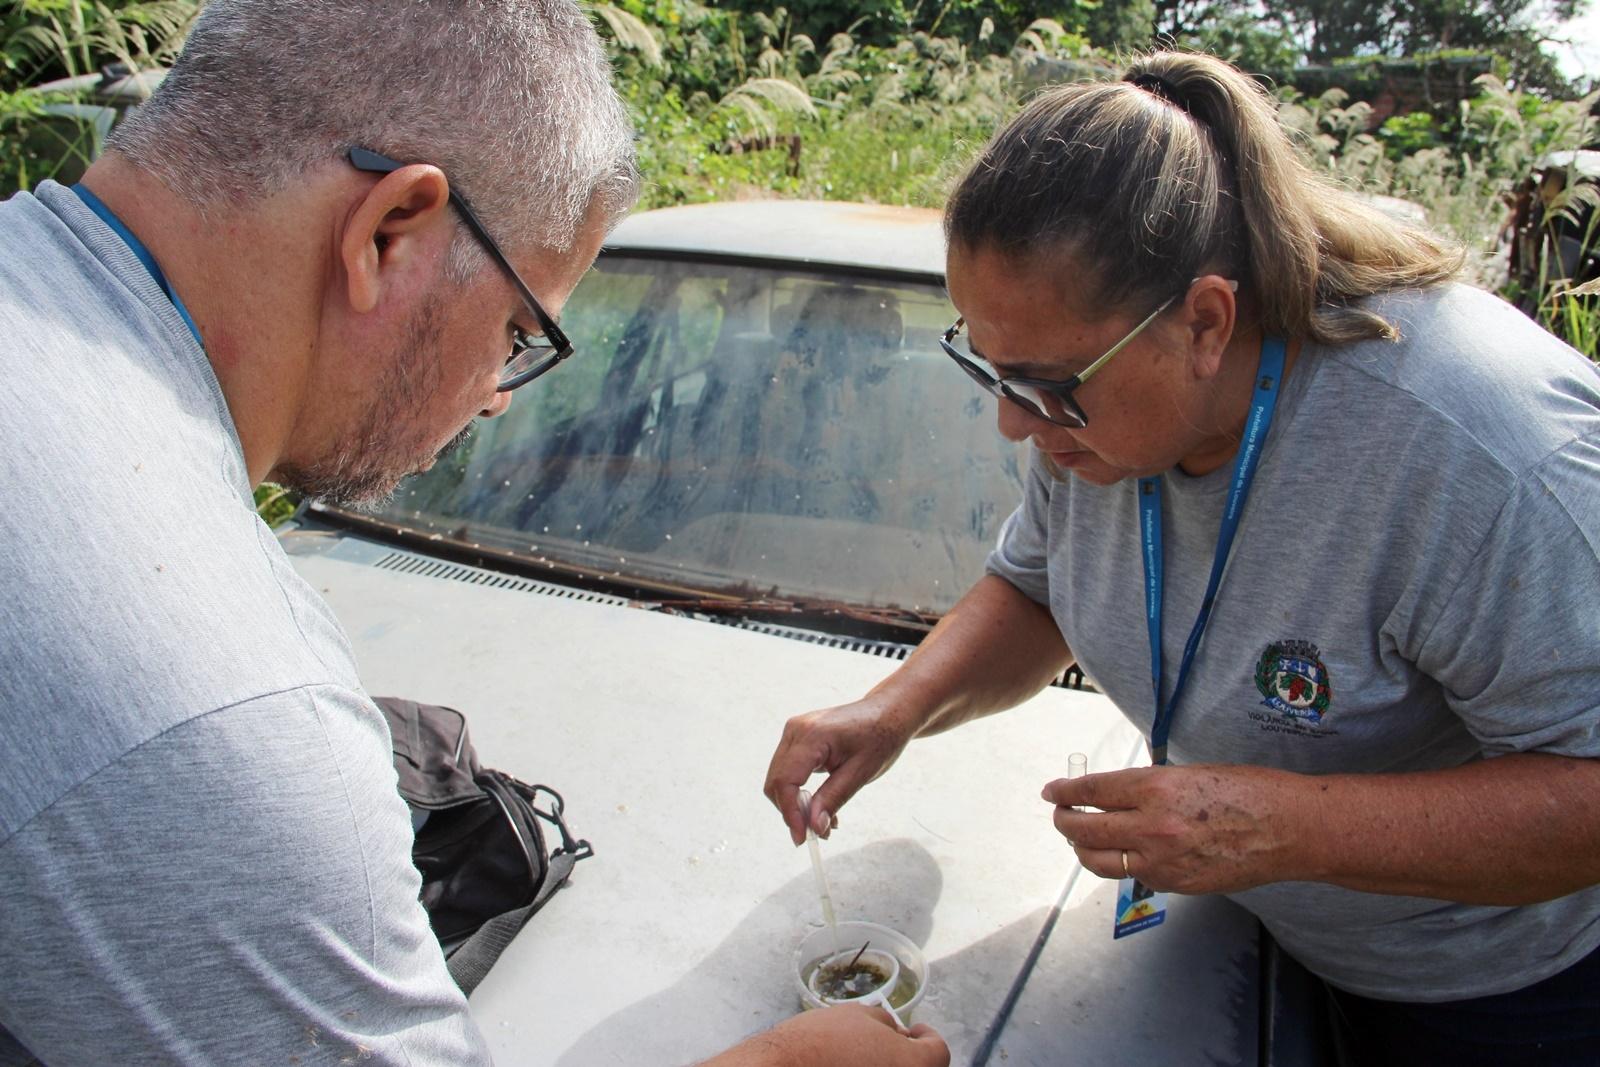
1138 907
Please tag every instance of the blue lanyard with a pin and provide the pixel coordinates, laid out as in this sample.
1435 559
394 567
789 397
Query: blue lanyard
95 204
1269 376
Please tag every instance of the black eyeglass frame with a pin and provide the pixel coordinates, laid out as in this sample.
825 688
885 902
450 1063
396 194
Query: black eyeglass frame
554 342
1075 418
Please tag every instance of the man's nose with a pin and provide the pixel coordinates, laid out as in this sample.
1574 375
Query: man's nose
497 406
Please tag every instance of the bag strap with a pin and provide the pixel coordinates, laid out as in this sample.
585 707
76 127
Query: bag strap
470 961
473 957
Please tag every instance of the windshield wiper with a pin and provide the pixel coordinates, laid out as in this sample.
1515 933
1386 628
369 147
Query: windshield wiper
798 610
476 547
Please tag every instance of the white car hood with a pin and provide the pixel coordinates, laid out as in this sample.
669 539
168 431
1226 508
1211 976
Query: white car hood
675 939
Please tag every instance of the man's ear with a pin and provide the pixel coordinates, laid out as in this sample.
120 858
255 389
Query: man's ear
390 227
1212 311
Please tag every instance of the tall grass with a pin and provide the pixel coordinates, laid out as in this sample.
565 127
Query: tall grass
1469 183
710 87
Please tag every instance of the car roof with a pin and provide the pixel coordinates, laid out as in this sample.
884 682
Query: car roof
874 236
1583 162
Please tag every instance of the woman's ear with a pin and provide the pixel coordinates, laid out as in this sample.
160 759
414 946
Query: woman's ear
1212 310
395 226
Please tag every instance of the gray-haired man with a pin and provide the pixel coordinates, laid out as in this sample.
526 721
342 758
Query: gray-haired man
273 273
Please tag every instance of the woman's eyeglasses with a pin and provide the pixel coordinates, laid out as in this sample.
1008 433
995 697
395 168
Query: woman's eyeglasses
1043 398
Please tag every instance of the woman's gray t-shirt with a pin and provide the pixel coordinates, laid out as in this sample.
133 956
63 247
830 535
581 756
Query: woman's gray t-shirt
1415 584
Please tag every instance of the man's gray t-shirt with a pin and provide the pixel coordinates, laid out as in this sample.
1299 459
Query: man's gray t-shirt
203 856
1415 584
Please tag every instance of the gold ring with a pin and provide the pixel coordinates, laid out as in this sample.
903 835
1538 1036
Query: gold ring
1125 872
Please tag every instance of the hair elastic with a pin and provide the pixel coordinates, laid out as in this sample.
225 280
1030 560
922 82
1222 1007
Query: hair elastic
1160 88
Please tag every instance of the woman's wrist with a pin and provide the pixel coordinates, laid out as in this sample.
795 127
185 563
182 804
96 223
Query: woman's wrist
906 709
1301 836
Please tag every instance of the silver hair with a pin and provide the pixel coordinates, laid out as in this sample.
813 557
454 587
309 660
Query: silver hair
512 99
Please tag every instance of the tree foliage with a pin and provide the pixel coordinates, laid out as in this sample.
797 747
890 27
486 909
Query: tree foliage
881 23
1330 29
1323 31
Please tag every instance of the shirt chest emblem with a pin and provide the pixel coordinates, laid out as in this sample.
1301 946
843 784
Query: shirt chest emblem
1294 681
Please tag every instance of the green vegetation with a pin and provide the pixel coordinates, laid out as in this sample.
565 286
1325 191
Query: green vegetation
274 503
733 105
54 134
884 100
745 105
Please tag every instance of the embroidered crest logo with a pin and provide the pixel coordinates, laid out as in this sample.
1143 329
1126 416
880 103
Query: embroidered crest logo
1292 677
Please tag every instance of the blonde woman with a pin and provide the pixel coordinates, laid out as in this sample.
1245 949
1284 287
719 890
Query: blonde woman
1319 519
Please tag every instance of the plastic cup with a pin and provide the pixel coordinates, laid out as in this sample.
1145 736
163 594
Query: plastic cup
901 996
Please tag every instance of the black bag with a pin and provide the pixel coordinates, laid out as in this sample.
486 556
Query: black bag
485 868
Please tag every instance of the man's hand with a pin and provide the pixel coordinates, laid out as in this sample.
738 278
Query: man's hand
853 743
1204 829
847 1035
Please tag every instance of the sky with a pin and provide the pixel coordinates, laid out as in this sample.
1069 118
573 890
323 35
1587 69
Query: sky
1581 58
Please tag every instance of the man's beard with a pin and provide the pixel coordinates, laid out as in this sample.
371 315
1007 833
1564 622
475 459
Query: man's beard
367 465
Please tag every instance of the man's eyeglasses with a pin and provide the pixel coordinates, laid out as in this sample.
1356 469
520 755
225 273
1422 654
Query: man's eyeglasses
531 355
1043 398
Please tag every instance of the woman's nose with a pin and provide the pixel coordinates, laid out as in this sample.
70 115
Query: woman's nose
1016 423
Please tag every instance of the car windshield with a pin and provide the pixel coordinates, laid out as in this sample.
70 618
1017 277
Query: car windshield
729 428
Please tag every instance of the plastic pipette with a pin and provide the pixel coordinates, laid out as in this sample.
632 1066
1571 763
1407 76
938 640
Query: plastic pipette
1077 767
816 869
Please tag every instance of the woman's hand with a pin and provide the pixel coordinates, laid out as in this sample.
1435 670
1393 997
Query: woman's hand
852 743
1203 829
993 650
1221 828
